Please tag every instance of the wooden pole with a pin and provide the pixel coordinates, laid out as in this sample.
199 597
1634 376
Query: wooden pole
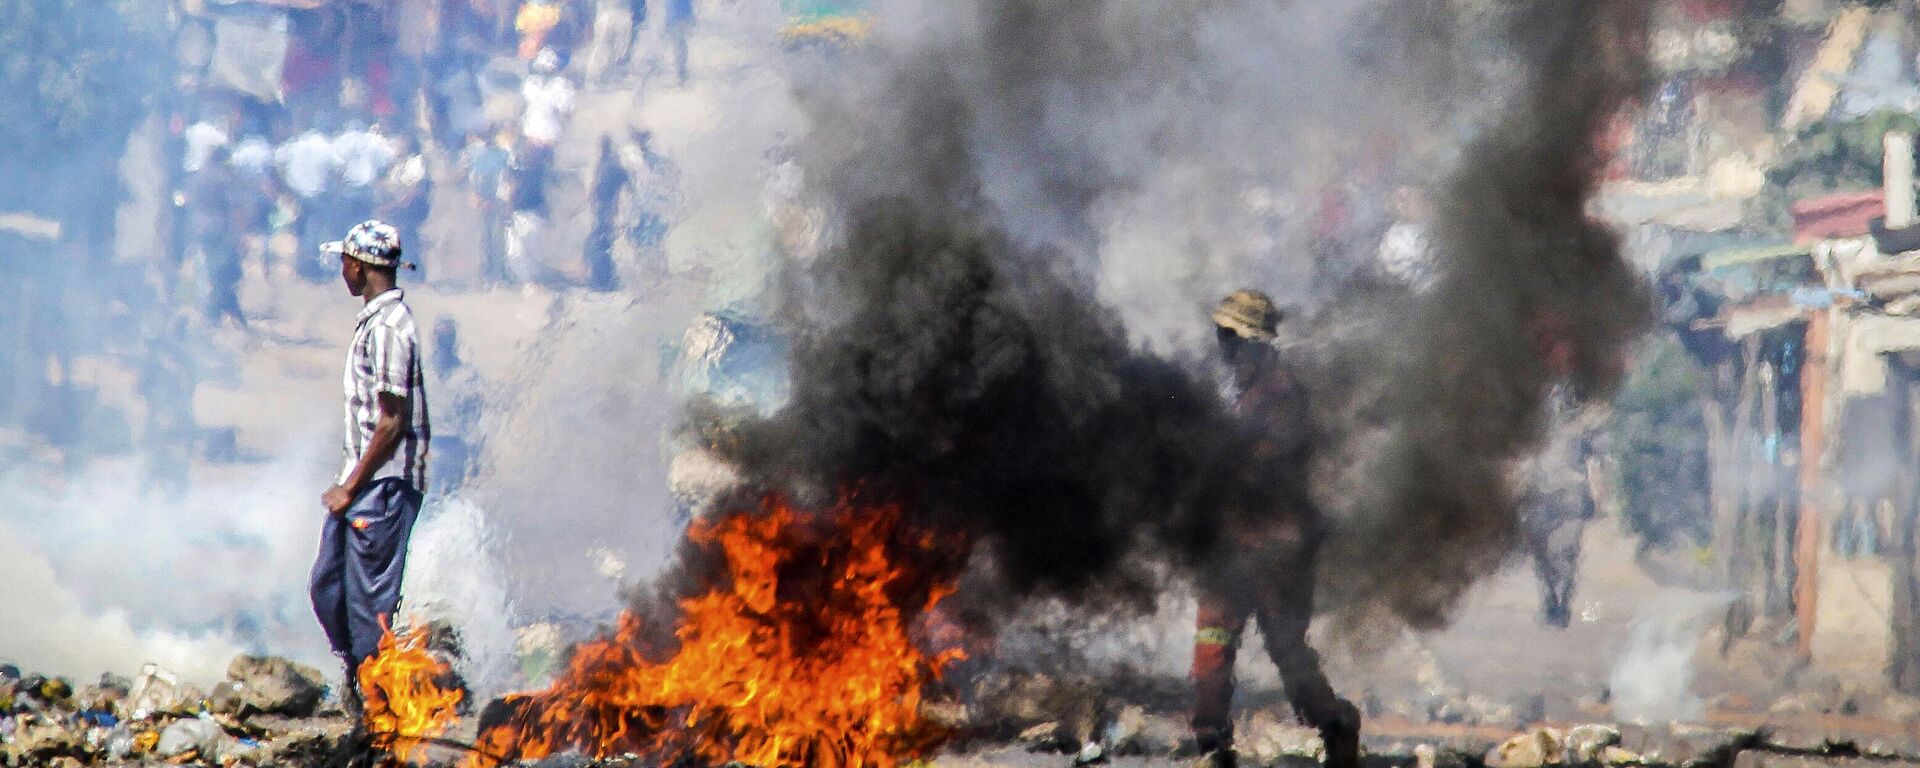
1813 420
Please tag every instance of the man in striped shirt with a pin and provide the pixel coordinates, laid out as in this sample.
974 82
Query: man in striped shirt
371 508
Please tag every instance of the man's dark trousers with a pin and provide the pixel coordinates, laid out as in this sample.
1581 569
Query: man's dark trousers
363 554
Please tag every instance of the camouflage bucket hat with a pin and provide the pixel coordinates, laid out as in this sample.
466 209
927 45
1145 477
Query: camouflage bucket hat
1250 314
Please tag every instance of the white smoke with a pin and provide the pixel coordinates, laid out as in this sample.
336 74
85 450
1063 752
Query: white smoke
453 576
1653 680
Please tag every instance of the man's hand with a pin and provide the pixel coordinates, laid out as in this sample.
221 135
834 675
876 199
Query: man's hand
337 499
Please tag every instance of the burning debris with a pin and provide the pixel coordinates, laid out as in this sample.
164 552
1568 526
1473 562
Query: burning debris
411 694
806 650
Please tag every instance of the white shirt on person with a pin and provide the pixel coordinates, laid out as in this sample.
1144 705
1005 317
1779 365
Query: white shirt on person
307 163
363 156
549 100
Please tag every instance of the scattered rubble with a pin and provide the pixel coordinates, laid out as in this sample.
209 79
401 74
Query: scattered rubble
261 716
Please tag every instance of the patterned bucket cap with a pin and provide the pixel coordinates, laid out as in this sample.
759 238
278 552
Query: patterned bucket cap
1250 314
372 241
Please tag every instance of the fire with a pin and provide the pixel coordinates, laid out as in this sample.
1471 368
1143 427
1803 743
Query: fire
801 654
405 701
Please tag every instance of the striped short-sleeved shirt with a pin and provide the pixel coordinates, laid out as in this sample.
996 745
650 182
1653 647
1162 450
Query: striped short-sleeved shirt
385 357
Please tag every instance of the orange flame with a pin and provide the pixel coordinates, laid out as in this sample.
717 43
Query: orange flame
405 701
801 655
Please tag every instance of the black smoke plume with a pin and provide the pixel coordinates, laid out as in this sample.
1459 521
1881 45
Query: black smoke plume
1525 269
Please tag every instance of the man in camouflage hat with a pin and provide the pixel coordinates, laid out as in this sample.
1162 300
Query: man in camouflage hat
1265 570
371 507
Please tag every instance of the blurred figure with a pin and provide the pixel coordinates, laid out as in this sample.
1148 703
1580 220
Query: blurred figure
364 155
679 25
456 439
213 226
1404 259
549 102
654 182
169 375
307 168
1555 502
535 22
610 181
406 195
486 164
613 34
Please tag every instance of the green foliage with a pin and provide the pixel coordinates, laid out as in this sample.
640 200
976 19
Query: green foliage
72 70
1659 445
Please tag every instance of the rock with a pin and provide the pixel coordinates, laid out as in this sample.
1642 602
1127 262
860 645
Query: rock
202 736
1267 738
1533 749
1614 754
64 761
225 698
1044 737
37 739
1584 742
1090 753
315 744
277 686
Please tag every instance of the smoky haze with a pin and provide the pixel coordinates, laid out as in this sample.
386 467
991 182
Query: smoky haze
1030 206
954 344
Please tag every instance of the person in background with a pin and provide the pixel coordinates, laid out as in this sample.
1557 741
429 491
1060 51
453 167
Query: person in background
406 194
535 22
679 25
168 377
549 102
613 36
610 180
364 154
307 167
456 449
1404 259
654 182
486 164
371 508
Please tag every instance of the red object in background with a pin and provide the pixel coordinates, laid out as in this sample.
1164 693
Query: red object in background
1553 342
1844 215
1710 10
379 79
309 66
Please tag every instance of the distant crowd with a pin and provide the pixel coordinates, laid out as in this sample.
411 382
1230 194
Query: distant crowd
475 109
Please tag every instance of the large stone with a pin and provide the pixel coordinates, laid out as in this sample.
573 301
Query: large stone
1585 742
1533 749
37 740
276 686
192 734
1268 738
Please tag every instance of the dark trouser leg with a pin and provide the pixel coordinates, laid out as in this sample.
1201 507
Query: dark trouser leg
1284 616
328 585
380 521
1215 644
